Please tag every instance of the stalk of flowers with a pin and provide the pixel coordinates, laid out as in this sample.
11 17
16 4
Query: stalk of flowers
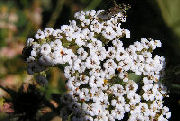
99 69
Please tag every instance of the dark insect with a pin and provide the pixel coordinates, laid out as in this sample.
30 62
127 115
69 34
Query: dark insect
109 13
26 52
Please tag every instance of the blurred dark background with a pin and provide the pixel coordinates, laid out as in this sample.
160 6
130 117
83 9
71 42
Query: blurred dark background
20 19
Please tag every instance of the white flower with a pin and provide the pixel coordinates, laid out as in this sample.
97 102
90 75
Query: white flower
45 49
99 52
138 46
96 71
127 107
33 53
96 81
158 43
48 32
79 42
110 64
127 33
88 118
29 41
57 43
68 71
117 114
57 33
161 118
96 26
134 98
92 62
121 55
79 66
111 52
82 54
168 115
39 34
117 43
95 43
131 86
84 79
109 33
30 59
92 13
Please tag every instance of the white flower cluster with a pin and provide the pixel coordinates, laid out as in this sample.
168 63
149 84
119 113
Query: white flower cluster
99 82
49 46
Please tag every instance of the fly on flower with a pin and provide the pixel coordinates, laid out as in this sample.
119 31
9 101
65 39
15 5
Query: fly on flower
111 12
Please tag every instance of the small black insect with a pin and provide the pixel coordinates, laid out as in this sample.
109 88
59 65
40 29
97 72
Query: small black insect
109 13
26 52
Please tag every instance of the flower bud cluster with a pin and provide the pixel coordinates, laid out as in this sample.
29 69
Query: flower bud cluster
101 72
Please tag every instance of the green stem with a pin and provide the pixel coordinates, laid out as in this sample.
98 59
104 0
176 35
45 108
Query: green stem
93 4
55 15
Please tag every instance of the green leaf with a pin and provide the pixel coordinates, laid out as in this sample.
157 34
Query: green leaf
134 77
66 44
1 101
170 12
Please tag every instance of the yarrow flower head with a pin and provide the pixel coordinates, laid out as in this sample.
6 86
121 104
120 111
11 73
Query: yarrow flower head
102 74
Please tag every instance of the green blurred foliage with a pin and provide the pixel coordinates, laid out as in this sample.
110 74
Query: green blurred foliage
170 11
